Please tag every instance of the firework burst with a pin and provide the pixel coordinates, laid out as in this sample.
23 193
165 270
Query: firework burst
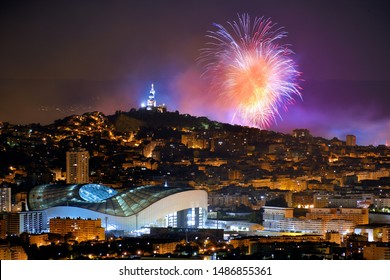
251 70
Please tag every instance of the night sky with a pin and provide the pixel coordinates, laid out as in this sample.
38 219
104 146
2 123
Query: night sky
59 58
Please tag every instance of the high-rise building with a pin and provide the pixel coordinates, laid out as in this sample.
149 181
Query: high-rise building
3 226
351 140
27 221
5 199
77 166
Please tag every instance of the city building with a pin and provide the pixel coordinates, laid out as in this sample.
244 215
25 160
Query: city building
381 202
334 237
41 239
303 199
351 140
10 252
26 221
273 215
20 201
58 174
165 248
358 215
3 226
129 210
317 220
196 140
77 166
374 232
376 251
303 225
78 229
354 244
321 200
379 218
302 134
351 201
228 201
234 226
5 199
277 213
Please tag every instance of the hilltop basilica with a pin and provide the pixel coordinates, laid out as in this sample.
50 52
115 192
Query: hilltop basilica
151 104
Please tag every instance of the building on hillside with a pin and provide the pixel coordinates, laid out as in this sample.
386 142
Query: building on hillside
151 103
77 166
350 140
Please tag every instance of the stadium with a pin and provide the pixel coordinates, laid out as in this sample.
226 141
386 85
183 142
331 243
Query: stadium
127 210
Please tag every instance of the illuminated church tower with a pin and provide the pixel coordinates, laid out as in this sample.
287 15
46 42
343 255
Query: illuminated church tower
151 101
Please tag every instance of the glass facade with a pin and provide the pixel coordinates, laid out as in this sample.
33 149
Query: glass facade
99 198
187 218
123 209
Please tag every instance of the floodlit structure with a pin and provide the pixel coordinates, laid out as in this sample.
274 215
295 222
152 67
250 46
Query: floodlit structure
151 104
126 210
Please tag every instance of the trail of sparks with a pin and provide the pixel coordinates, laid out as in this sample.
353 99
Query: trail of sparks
251 70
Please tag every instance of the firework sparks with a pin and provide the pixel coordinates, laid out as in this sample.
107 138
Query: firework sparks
251 70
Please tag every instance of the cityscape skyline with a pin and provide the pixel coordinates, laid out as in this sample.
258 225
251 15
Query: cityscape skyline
69 57
194 130
150 169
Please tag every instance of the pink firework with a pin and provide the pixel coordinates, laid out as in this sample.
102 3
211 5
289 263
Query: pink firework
251 70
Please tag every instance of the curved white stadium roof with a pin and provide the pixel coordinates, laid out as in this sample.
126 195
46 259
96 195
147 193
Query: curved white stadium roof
126 210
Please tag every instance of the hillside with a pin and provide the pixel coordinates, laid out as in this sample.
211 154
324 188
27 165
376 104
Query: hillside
132 120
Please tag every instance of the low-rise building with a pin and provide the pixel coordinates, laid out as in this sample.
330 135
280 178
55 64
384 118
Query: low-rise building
9 252
79 229
39 239
377 251
358 215
374 232
165 248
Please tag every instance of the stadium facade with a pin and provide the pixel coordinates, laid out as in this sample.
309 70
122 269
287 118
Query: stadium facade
126 210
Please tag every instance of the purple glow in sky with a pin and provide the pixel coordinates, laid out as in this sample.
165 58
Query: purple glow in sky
66 57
